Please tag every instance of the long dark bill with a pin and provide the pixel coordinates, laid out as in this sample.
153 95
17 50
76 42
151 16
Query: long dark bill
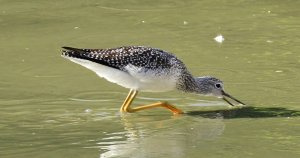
231 97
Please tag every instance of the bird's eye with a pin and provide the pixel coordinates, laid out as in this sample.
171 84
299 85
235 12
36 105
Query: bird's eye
218 85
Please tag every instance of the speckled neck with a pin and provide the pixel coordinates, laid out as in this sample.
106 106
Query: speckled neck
187 83
191 84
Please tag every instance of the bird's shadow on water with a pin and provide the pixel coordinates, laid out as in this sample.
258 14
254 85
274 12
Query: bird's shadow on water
247 112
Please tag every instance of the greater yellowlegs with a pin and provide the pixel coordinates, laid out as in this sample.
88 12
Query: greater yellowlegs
140 68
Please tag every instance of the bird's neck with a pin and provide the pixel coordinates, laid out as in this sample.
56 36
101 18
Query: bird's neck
191 84
201 86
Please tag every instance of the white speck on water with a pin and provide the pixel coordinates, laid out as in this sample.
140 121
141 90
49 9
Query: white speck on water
88 110
143 21
269 11
219 38
76 27
269 41
278 71
185 22
26 48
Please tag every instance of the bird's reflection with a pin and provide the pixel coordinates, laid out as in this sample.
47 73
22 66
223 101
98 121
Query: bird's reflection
160 135
163 135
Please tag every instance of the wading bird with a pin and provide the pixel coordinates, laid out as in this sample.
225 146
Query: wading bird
140 68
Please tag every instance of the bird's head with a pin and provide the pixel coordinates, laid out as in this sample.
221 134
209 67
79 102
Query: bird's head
212 86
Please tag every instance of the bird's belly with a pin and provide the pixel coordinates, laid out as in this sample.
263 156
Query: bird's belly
156 83
158 86
111 74
149 81
154 80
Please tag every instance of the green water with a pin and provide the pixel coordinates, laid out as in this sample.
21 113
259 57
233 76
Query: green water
50 107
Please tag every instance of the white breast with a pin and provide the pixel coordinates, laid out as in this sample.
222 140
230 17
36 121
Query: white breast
153 80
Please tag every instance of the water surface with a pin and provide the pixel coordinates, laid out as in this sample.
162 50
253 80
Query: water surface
51 107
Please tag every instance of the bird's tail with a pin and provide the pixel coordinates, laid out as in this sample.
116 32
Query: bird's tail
73 52
84 54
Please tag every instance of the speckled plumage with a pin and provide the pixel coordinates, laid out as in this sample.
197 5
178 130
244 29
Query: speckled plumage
120 57
137 59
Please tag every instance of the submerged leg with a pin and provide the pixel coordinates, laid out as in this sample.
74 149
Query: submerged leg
132 94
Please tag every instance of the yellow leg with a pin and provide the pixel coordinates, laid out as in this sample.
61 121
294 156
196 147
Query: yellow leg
132 94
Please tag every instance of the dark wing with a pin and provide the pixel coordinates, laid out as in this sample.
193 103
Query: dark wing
146 57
